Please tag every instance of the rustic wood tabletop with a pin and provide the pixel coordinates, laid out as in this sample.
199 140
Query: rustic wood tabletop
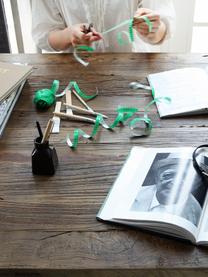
48 225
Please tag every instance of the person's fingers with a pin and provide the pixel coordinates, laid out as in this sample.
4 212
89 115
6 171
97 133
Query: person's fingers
144 26
142 11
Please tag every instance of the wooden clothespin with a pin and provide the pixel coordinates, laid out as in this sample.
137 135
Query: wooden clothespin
69 113
56 119
70 108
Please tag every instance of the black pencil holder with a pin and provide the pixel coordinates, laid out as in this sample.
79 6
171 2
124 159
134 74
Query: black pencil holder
44 158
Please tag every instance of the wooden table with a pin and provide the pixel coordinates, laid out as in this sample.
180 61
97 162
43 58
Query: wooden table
48 225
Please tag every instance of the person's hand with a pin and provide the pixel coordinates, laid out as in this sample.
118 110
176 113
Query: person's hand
158 27
77 35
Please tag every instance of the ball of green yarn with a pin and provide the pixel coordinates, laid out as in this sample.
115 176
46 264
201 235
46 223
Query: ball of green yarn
44 98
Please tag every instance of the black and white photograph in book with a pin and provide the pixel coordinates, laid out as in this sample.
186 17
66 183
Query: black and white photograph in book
172 186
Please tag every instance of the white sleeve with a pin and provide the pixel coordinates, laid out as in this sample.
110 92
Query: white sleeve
166 10
45 18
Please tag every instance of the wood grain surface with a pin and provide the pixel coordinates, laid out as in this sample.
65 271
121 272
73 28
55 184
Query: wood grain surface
48 225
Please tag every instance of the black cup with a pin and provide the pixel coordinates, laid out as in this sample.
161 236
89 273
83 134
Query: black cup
44 158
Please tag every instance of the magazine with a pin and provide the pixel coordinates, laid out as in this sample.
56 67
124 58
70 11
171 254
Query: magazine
158 189
187 89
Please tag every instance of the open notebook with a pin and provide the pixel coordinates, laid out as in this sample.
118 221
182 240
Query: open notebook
187 88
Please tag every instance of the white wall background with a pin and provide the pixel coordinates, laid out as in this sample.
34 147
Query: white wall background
181 41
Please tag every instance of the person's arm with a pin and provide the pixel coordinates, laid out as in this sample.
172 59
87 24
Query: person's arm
50 32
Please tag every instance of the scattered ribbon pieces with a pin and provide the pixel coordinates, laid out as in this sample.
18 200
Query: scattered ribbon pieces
120 39
45 98
140 126
124 113
76 87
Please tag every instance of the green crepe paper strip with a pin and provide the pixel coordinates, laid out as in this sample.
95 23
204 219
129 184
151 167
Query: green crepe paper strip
145 131
157 100
124 113
78 133
121 40
119 37
117 27
131 23
45 98
82 48
74 85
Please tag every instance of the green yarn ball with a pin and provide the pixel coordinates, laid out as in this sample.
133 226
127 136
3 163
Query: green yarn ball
44 98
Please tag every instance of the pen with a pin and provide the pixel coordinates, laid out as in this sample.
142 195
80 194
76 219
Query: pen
48 131
39 129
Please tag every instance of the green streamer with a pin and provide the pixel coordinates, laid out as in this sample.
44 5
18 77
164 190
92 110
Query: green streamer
74 85
157 100
84 48
45 98
131 31
124 113
120 40
131 24
145 131
116 27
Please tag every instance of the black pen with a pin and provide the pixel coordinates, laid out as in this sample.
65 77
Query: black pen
39 129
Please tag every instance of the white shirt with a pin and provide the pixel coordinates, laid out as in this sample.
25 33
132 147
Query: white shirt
50 15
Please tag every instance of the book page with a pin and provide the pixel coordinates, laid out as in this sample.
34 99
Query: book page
187 88
202 237
157 187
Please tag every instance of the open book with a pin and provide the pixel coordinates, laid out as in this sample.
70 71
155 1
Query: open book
187 89
158 189
11 76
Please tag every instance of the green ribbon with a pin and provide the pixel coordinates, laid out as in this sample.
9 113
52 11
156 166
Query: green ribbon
124 113
74 85
157 100
142 131
45 98
121 42
82 48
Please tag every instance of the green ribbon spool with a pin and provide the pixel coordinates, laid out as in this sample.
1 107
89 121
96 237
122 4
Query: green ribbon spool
45 98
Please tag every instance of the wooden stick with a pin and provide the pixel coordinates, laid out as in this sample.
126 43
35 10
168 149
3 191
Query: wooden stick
81 100
81 110
75 117
56 119
48 131
69 101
